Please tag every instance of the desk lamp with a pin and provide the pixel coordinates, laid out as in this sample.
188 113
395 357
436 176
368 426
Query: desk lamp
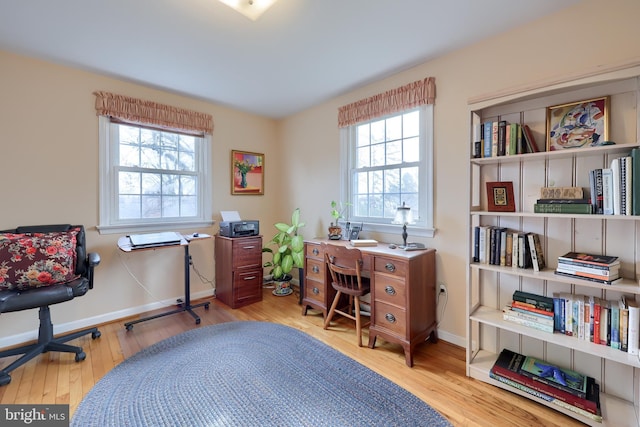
404 217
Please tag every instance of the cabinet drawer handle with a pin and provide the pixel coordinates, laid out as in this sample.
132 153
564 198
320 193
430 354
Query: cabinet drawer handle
390 267
316 291
390 318
248 247
315 269
316 251
249 277
389 290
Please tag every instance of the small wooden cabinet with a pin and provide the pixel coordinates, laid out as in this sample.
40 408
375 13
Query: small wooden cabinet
403 292
238 270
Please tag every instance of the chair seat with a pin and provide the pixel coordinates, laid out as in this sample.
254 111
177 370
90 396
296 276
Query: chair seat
366 288
11 300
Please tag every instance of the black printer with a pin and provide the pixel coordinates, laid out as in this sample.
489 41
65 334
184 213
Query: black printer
239 228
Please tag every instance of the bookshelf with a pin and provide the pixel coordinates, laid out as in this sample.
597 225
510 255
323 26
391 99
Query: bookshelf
490 287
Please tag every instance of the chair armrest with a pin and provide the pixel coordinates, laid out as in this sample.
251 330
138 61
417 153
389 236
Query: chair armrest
93 258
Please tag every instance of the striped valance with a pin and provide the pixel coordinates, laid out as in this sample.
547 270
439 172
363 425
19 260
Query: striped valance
408 96
133 110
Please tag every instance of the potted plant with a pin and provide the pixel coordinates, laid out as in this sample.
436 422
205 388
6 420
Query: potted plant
337 211
288 252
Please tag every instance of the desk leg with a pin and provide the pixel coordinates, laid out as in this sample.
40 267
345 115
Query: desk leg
183 305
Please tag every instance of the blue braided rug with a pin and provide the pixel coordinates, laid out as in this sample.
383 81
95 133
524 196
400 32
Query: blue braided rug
248 374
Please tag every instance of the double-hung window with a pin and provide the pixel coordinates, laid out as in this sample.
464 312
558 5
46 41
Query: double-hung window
152 177
388 162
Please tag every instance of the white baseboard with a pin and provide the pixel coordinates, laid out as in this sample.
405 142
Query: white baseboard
95 320
453 339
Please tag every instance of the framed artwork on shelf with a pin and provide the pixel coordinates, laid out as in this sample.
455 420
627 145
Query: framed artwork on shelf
247 173
500 197
578 124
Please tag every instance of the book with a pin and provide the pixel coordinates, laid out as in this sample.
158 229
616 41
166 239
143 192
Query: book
502 138
591 279
635 180
530 139
607 191
607 270
509 250
477 140
530 307
503 247
624 326
591 259
539 301
633 334
487 139
476 243
533 324
363 242
605 331
558 313
555 376
512 138
595 184
615 173
528 315
563 208
520 386
615 326
626 192
596 320
567 299
494 138
582 274
537 256
514 250
524 255
564 201
509 365
562 193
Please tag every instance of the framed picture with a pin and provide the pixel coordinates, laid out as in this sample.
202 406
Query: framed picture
500 197
577 125
247 173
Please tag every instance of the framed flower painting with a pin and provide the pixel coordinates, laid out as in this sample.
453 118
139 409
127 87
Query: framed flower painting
247 173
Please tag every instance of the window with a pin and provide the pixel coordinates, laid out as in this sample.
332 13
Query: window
152 178
390 161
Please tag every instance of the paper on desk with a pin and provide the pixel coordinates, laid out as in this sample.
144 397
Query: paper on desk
230 215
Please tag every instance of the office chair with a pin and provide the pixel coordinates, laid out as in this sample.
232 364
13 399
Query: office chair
40 266
345 265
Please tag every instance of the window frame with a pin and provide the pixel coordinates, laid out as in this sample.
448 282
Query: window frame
108 221
424 226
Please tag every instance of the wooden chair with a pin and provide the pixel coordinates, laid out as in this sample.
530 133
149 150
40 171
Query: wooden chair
345 265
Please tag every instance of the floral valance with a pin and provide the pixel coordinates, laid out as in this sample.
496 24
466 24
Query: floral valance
408 96
133 110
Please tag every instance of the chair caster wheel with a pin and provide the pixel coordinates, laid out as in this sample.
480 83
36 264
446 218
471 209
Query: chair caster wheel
96 334
5 379
197 321
206 306
81 356
128 327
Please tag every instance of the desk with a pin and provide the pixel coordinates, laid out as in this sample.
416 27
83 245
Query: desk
403 291
125 245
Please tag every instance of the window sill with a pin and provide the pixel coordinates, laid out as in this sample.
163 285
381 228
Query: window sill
149 228
412 231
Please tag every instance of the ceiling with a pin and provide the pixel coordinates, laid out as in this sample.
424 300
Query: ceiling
297 54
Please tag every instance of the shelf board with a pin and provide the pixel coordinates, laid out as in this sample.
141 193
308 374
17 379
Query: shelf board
625 285
615 411
493 317
552 155
552 215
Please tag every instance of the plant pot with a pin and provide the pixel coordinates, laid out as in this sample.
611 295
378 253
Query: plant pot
283 287
335 232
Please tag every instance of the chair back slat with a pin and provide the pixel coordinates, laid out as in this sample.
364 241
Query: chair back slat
345 266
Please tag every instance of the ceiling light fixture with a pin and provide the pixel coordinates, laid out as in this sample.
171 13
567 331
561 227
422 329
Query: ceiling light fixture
252 9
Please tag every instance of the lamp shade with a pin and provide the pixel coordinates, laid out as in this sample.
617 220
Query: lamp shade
403 215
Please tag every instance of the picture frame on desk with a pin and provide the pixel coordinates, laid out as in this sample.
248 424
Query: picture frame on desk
500 196
578 124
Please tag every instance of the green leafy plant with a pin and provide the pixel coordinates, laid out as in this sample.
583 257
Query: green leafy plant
288 249
337 210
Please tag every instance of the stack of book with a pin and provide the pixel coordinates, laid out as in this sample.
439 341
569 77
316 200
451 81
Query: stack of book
597 268
566 200
530 310
568 389
501 246
500 138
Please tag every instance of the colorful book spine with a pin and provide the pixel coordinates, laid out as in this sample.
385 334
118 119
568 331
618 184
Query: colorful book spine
523 314
539 301
591 279
583 274
487 139
562 208
590 268
530 307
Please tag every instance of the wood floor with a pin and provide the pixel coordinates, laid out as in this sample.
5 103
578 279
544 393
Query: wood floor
438 376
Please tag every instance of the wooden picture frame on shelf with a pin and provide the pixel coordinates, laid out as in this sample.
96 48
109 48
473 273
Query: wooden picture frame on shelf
500 197
247 173
578 124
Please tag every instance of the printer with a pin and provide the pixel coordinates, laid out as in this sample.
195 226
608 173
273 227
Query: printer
239 228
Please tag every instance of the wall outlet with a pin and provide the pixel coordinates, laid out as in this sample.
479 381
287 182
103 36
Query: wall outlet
443 288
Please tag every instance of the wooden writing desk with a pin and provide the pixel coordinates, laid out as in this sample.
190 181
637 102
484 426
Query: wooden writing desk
403 291
124 243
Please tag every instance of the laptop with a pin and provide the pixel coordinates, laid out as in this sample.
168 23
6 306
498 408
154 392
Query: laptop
150 240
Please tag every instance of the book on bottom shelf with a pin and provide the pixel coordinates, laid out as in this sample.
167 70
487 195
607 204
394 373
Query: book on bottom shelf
508 366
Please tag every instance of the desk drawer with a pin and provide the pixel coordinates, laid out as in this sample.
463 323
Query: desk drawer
315 270
314 290
391 266
390 317
247 253
247 285
390 289
314 250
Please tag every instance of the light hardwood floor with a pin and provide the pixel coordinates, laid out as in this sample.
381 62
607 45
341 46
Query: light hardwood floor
438 376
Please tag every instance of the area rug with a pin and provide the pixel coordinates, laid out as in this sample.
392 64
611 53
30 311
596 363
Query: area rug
248 374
